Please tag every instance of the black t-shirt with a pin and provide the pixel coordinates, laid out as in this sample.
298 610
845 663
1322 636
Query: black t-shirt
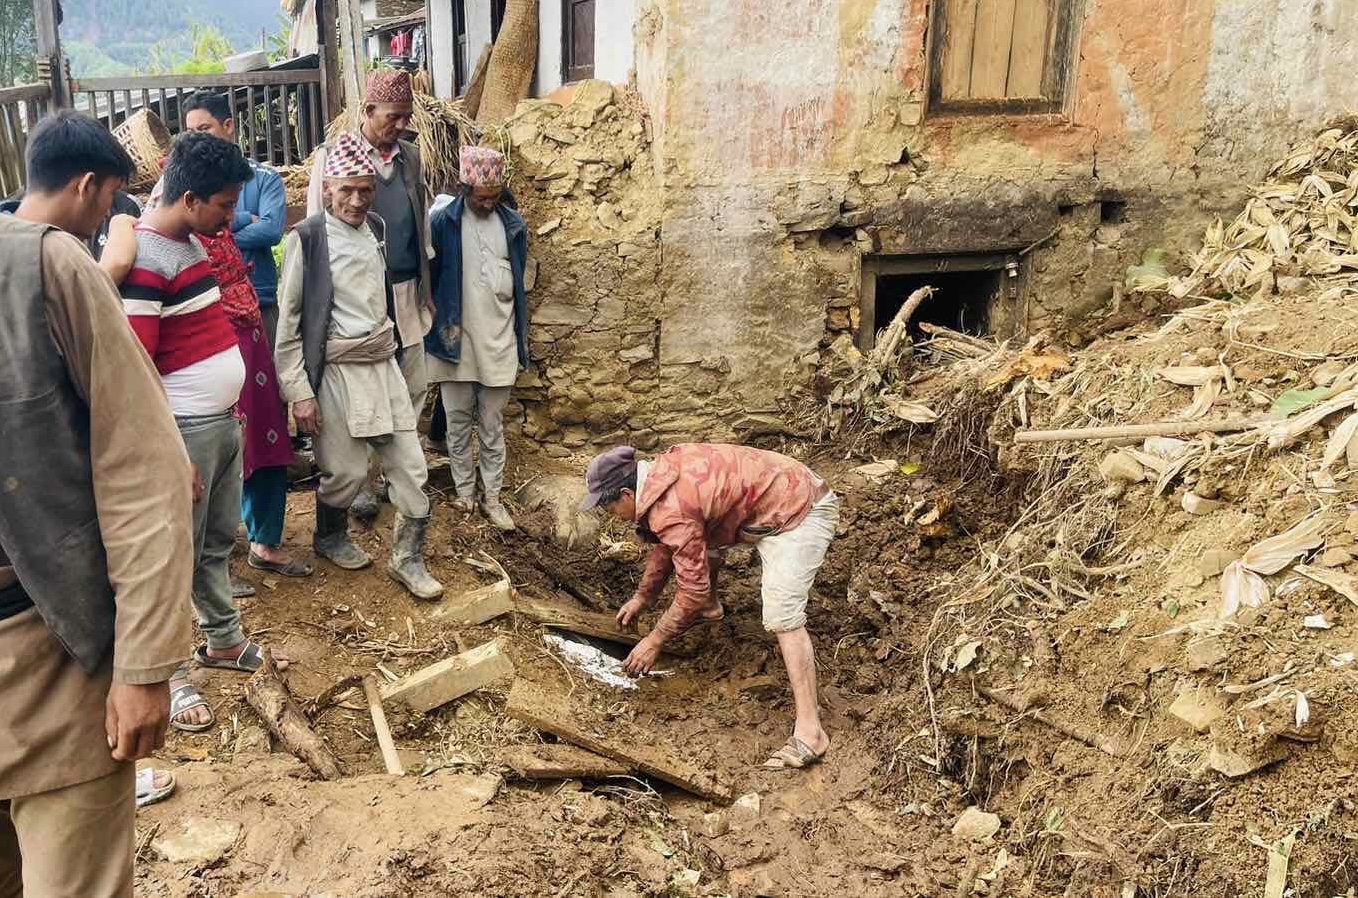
123 204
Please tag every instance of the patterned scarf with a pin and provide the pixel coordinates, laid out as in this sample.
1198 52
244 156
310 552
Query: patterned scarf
233 279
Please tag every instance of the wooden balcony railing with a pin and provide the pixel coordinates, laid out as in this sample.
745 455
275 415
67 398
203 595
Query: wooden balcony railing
20 107
278 113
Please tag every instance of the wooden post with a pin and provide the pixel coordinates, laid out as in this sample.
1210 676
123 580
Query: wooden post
332 93
384 740
352 67
51 63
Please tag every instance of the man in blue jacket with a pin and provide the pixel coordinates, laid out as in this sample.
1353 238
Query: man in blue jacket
479 341
261 212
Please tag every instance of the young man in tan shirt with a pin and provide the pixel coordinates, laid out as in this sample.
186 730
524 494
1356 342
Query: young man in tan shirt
96 550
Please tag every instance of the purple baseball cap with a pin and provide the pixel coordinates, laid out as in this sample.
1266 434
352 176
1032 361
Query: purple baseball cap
609 472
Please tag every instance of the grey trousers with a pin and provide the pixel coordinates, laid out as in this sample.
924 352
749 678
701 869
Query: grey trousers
214 446
475 406
343 460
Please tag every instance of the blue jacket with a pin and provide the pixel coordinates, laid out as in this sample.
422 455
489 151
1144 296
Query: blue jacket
262 195
444 339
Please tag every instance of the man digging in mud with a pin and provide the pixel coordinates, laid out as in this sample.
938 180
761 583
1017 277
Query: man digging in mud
691 503
337 356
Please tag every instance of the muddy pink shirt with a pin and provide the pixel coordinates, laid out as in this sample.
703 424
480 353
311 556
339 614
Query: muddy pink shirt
698 496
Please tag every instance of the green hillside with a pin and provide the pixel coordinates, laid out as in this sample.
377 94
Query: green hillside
112 37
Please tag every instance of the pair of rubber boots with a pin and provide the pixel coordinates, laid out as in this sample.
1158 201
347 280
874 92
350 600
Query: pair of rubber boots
331 541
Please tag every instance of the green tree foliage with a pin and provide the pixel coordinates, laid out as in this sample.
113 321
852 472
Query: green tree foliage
16 42
208 49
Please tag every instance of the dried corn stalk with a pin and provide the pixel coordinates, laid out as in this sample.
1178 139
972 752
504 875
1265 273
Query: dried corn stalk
1241 588
1277 552
1341 583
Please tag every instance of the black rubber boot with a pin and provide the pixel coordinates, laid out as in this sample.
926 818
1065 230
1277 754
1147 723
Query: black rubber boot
331 540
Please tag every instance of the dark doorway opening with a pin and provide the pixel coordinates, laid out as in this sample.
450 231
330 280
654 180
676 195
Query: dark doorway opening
968 290
961 301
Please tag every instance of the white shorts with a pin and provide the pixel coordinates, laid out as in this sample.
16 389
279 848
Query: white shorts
790 561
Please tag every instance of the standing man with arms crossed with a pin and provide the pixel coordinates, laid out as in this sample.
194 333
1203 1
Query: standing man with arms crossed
402 202
338 344
96 550
480 337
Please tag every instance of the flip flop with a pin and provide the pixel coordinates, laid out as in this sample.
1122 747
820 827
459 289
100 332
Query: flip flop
794 755
248 661
147 793
186 698
289 568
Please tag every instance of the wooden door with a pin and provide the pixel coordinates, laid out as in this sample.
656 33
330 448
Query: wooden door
578 34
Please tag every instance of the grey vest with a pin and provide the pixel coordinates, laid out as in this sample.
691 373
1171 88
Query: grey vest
318 292
49 527
394 205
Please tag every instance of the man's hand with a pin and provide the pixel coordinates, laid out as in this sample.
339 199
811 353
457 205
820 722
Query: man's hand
308 416
628 613
642 658
254 219
135 718
198 486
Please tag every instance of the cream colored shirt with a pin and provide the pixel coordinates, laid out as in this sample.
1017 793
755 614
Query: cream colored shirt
490 350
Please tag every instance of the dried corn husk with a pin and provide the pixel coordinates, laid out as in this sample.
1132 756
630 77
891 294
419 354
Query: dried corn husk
1204 397
1193 375
1343 442
1277 552
914 412
1241 588
1288 432
1344 584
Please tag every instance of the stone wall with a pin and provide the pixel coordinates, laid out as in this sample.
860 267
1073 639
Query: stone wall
703 262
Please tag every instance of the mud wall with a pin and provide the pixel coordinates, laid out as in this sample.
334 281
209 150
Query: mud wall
783 142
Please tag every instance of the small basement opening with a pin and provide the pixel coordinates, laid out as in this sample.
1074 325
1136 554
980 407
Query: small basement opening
967 289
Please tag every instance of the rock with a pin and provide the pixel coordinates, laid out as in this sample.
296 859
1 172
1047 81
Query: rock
975 825
714 824
530 275
608 216
1287 285
629 249
1214 561
685 882
637 354
1197 707
1335 557
1351 525
1205 654
886 863
199 841
548 227
557 312
252 741
1119 465
1195 504
746 806
591 98
1244 758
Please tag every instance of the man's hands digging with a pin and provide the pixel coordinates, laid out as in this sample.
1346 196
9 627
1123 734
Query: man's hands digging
643 656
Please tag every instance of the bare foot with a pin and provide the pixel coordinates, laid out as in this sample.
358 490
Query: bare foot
195 717
280 661
271 554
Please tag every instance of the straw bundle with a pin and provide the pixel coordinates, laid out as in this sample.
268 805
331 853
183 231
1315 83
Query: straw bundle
510 73
147 141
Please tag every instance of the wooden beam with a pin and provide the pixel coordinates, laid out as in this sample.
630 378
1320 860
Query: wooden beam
587 623
383 732
47 46
24 93
451 678
353 69
553 711
477 606
332 90
196 82
269 696
560 762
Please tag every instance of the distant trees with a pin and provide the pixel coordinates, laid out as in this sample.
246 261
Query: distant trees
16 42
208 49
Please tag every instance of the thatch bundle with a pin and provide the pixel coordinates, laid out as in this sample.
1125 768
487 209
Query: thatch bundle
512 63
147 141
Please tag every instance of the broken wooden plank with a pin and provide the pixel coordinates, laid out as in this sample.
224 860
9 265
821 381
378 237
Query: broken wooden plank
269 696
451 678
560 762
586 623
552 711
383 732
477 606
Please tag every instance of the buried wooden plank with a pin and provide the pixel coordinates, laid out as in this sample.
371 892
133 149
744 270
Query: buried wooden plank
587 623
560 762
451 678
553 711
477 606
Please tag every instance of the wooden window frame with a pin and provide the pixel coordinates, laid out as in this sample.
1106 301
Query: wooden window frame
1057 69
573 73
497 18
460 61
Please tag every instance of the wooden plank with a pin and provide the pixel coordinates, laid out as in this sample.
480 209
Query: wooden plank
380 729
1028 57
317 133
959 33
145 99
127 104
587 623
285 124
194 82
24 92
990 53
268 125
179 110
451 678
553 711
235 119
163 112
47 48
560 762
478 605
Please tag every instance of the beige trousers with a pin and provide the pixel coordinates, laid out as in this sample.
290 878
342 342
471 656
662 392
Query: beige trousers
74 841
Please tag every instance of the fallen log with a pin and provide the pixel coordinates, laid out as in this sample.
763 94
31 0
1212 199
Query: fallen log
586 623
380 728
1123 431
552 711
1093 740
269 696
560 762
451 678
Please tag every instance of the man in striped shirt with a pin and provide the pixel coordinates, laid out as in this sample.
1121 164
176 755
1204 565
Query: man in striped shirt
172 301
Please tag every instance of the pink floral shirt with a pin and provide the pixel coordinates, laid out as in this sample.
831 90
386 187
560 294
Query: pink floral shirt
698 496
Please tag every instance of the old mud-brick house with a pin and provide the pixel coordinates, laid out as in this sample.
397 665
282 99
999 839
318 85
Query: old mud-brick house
772 174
